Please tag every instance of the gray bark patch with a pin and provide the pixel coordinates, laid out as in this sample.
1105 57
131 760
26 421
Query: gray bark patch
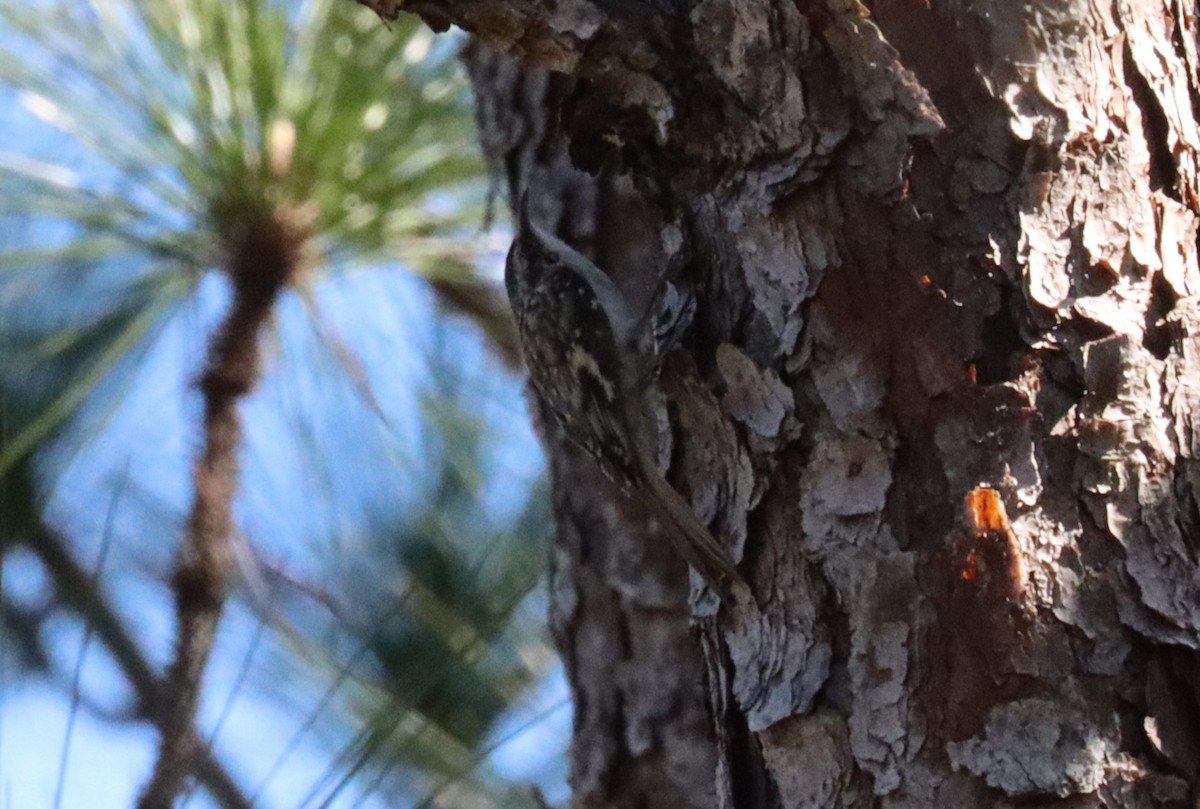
757 398
1035 746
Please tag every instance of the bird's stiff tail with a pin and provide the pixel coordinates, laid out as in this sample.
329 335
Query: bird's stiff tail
691 539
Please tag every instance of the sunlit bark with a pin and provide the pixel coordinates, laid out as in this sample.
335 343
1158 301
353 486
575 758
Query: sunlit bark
937 395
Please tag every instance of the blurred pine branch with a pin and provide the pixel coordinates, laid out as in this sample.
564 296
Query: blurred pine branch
153 131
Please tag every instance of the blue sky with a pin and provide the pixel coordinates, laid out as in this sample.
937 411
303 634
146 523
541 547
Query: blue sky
153 431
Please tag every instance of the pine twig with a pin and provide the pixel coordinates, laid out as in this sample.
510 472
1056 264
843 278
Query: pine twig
74 586
265 255
105 542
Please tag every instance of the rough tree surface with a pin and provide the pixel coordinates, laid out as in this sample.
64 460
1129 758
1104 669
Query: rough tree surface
937 395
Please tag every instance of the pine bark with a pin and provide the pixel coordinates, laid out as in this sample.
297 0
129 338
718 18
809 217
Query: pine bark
937 396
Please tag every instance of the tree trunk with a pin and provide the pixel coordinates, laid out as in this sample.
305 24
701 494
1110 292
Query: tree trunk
936 396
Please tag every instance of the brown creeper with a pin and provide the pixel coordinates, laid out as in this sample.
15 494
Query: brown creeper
591 361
